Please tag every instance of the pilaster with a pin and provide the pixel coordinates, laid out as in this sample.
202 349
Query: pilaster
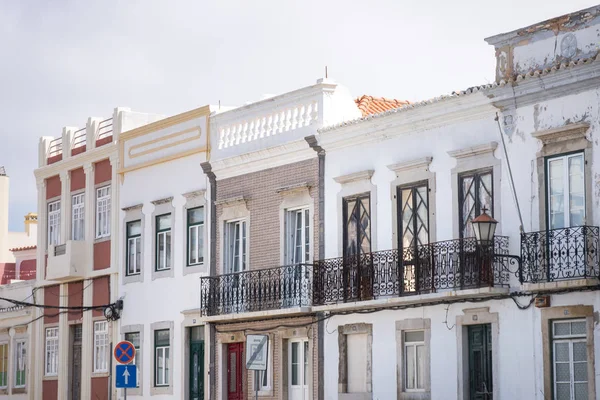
114 213
41 232
90 194
65 206
37 351
63 346
87 336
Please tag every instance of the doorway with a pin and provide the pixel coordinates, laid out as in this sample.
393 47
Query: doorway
196 366
298 369
75 368
480 362
235 371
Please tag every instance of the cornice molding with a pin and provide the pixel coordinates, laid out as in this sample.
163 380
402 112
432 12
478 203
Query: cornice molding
563 133
416 163
162 201
232 201
194 194
131 208
355 176
292 189
474 150
78 161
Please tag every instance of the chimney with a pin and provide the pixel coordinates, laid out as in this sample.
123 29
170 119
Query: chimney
31 224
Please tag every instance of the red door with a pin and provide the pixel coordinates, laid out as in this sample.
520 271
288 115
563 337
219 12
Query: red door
235 355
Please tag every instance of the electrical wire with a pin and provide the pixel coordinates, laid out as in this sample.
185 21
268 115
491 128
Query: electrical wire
71 294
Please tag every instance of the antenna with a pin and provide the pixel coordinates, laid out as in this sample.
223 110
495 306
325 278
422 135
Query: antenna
326 72
219 104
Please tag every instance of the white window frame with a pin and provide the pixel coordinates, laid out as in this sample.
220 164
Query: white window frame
100 346
163 262
566 187
5 355
198 227
137 358
133 242
162 381
297 238
103 195
236 246
20 359
262 386
570 339
54 223
415 345
51 352
78 216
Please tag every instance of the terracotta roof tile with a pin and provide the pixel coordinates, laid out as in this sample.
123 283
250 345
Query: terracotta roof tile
370 105
24 248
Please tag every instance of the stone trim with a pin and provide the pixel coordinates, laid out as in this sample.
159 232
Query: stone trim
162 207
295 199
472 159
155 326
290 189
355 176
134 207
232 201
343 332
409 173
413 324
230 212
162 201
133 213
567 312
193 200
139 391
562 134
476 316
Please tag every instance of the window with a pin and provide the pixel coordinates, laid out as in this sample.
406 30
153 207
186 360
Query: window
566 191
51 352
235 246
134 247
163 242
77 217
357 225
264 377
134 338
101 346
414 360
475 192
570 365
4 365
195 240
54 223
297 236
103 212
413 212
161 357
20 363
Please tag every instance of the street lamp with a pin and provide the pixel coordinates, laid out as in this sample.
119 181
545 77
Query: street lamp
484 227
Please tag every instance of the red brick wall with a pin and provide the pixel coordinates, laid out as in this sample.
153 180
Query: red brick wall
53 187
50 390
102 255
101 294
100 388
102 172
77 179
75 291
51 298
264 205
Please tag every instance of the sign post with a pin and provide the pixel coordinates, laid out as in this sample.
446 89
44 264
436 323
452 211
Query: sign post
257 351
126 375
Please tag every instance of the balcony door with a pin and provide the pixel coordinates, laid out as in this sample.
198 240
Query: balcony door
480 362
357 274
298 369
413 233
295 273
566 191
475 192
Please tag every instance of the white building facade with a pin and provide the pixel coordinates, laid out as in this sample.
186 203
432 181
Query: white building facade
416 307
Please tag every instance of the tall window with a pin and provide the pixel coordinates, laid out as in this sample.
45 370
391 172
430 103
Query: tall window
51 352
297 236
414 360
163 242
569 349
134 338
195 232
101 346
54 223
134 247
77 217
103 212
357 225
4 365
566 191
235 246
413 215
264 377
20 363
161 357
475 192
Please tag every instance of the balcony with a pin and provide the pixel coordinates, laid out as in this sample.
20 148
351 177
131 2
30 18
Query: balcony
69 260
557 255
441 266
283 287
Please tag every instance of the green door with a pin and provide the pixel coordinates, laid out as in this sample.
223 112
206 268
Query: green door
480 362
197 370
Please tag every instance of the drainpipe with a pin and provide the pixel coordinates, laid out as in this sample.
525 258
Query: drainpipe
212 268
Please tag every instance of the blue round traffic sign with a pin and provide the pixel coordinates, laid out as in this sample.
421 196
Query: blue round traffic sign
124 352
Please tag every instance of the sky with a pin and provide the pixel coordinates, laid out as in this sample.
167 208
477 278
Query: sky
63 61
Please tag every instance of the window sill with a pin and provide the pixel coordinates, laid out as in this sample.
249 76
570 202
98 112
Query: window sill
195 268
161 390
100 374
101 239
355 396
19 390
50 378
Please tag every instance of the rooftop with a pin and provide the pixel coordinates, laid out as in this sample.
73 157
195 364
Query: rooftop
369 105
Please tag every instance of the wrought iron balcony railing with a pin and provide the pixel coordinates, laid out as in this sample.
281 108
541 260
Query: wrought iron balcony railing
258 290
560 254
447 265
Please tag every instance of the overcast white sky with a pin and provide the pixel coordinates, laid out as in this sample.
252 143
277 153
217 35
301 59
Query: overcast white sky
63 61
